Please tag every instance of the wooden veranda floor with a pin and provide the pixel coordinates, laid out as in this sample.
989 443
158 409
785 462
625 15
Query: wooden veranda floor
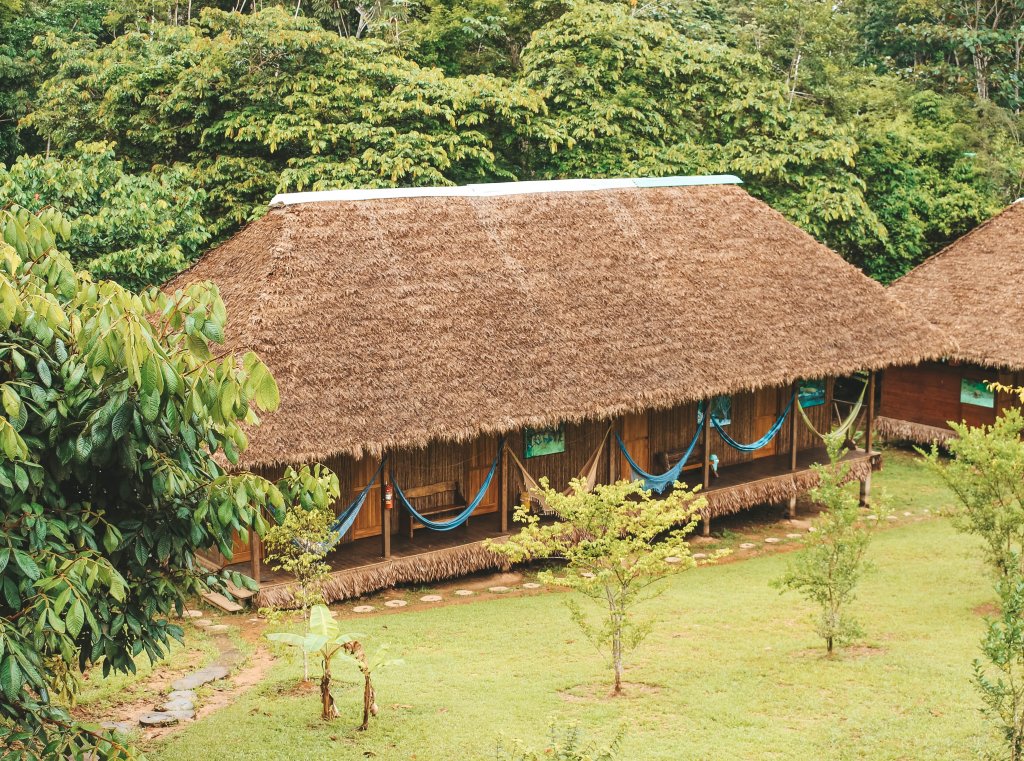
359 567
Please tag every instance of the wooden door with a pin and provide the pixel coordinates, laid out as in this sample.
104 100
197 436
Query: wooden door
484 451
766 412
368 521
635 433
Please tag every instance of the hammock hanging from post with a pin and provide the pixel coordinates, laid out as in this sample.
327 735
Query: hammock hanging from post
346 518
588 474
659 483
843 428
761 442
462 517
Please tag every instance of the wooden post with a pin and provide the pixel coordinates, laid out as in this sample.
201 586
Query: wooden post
707 463
793 447
613 454
503 489
385 515
869 424
255 555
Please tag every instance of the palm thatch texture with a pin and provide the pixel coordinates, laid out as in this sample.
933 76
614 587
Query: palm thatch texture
973 290
449 313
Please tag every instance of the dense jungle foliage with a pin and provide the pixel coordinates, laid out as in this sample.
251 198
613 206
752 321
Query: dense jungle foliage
885 128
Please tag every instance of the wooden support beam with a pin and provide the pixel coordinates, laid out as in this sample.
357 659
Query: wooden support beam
706 529
502 490
385 515
793 444
793 430
613 453
869 422
255 555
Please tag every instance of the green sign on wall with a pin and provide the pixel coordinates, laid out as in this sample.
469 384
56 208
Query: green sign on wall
976 392
541 441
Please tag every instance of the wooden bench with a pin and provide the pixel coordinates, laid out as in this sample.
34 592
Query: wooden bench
665 460
440 499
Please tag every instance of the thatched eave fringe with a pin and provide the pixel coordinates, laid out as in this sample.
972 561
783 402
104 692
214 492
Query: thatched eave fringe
894 429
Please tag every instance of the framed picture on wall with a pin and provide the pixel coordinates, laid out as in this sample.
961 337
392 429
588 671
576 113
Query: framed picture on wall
811 393
976 392
541 441
721 409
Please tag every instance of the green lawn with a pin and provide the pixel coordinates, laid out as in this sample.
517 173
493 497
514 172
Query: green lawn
733 668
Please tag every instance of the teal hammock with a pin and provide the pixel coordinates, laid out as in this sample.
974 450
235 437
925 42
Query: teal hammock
761 442
345 519
462 517
659 483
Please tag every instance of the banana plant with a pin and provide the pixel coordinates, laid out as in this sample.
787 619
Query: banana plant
326 641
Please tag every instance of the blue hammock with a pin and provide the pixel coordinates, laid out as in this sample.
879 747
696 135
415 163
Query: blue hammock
462 517
761 442
659 483
347 517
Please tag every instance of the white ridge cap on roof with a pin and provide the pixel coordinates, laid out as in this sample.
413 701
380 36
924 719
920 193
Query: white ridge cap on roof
500 188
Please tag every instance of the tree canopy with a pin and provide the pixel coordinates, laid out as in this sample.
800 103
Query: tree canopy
885 130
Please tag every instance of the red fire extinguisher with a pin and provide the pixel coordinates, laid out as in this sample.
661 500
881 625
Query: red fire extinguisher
389 497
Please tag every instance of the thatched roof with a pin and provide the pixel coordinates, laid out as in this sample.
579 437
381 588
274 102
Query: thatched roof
973 290
389 322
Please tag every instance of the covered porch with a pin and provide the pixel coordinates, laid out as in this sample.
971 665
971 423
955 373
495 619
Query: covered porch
360 567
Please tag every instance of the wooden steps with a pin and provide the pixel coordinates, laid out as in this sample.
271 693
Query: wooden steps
218 600
240 593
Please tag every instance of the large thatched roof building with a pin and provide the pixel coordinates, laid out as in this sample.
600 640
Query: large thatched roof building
426 323
973 291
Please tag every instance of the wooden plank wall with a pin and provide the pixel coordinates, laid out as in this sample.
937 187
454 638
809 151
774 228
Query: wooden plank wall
580 442
753 413
929 393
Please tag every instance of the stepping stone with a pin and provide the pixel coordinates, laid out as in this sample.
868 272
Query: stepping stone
254 620
532 585
182 715
192 614
158 720
217 600
891 518
219 628
747 546
175 704
464 592
363 609
198 678
499 590
907 513
699 555
793 536
181 695
587 575
121 727
202 623
772 539
395 603
431 598
872 517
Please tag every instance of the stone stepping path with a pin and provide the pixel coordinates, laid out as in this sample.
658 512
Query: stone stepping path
499 590
532 585
363 609
794 536
431 598
464 592
197 679
747 546
772 539
218 628
699 555
395 603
